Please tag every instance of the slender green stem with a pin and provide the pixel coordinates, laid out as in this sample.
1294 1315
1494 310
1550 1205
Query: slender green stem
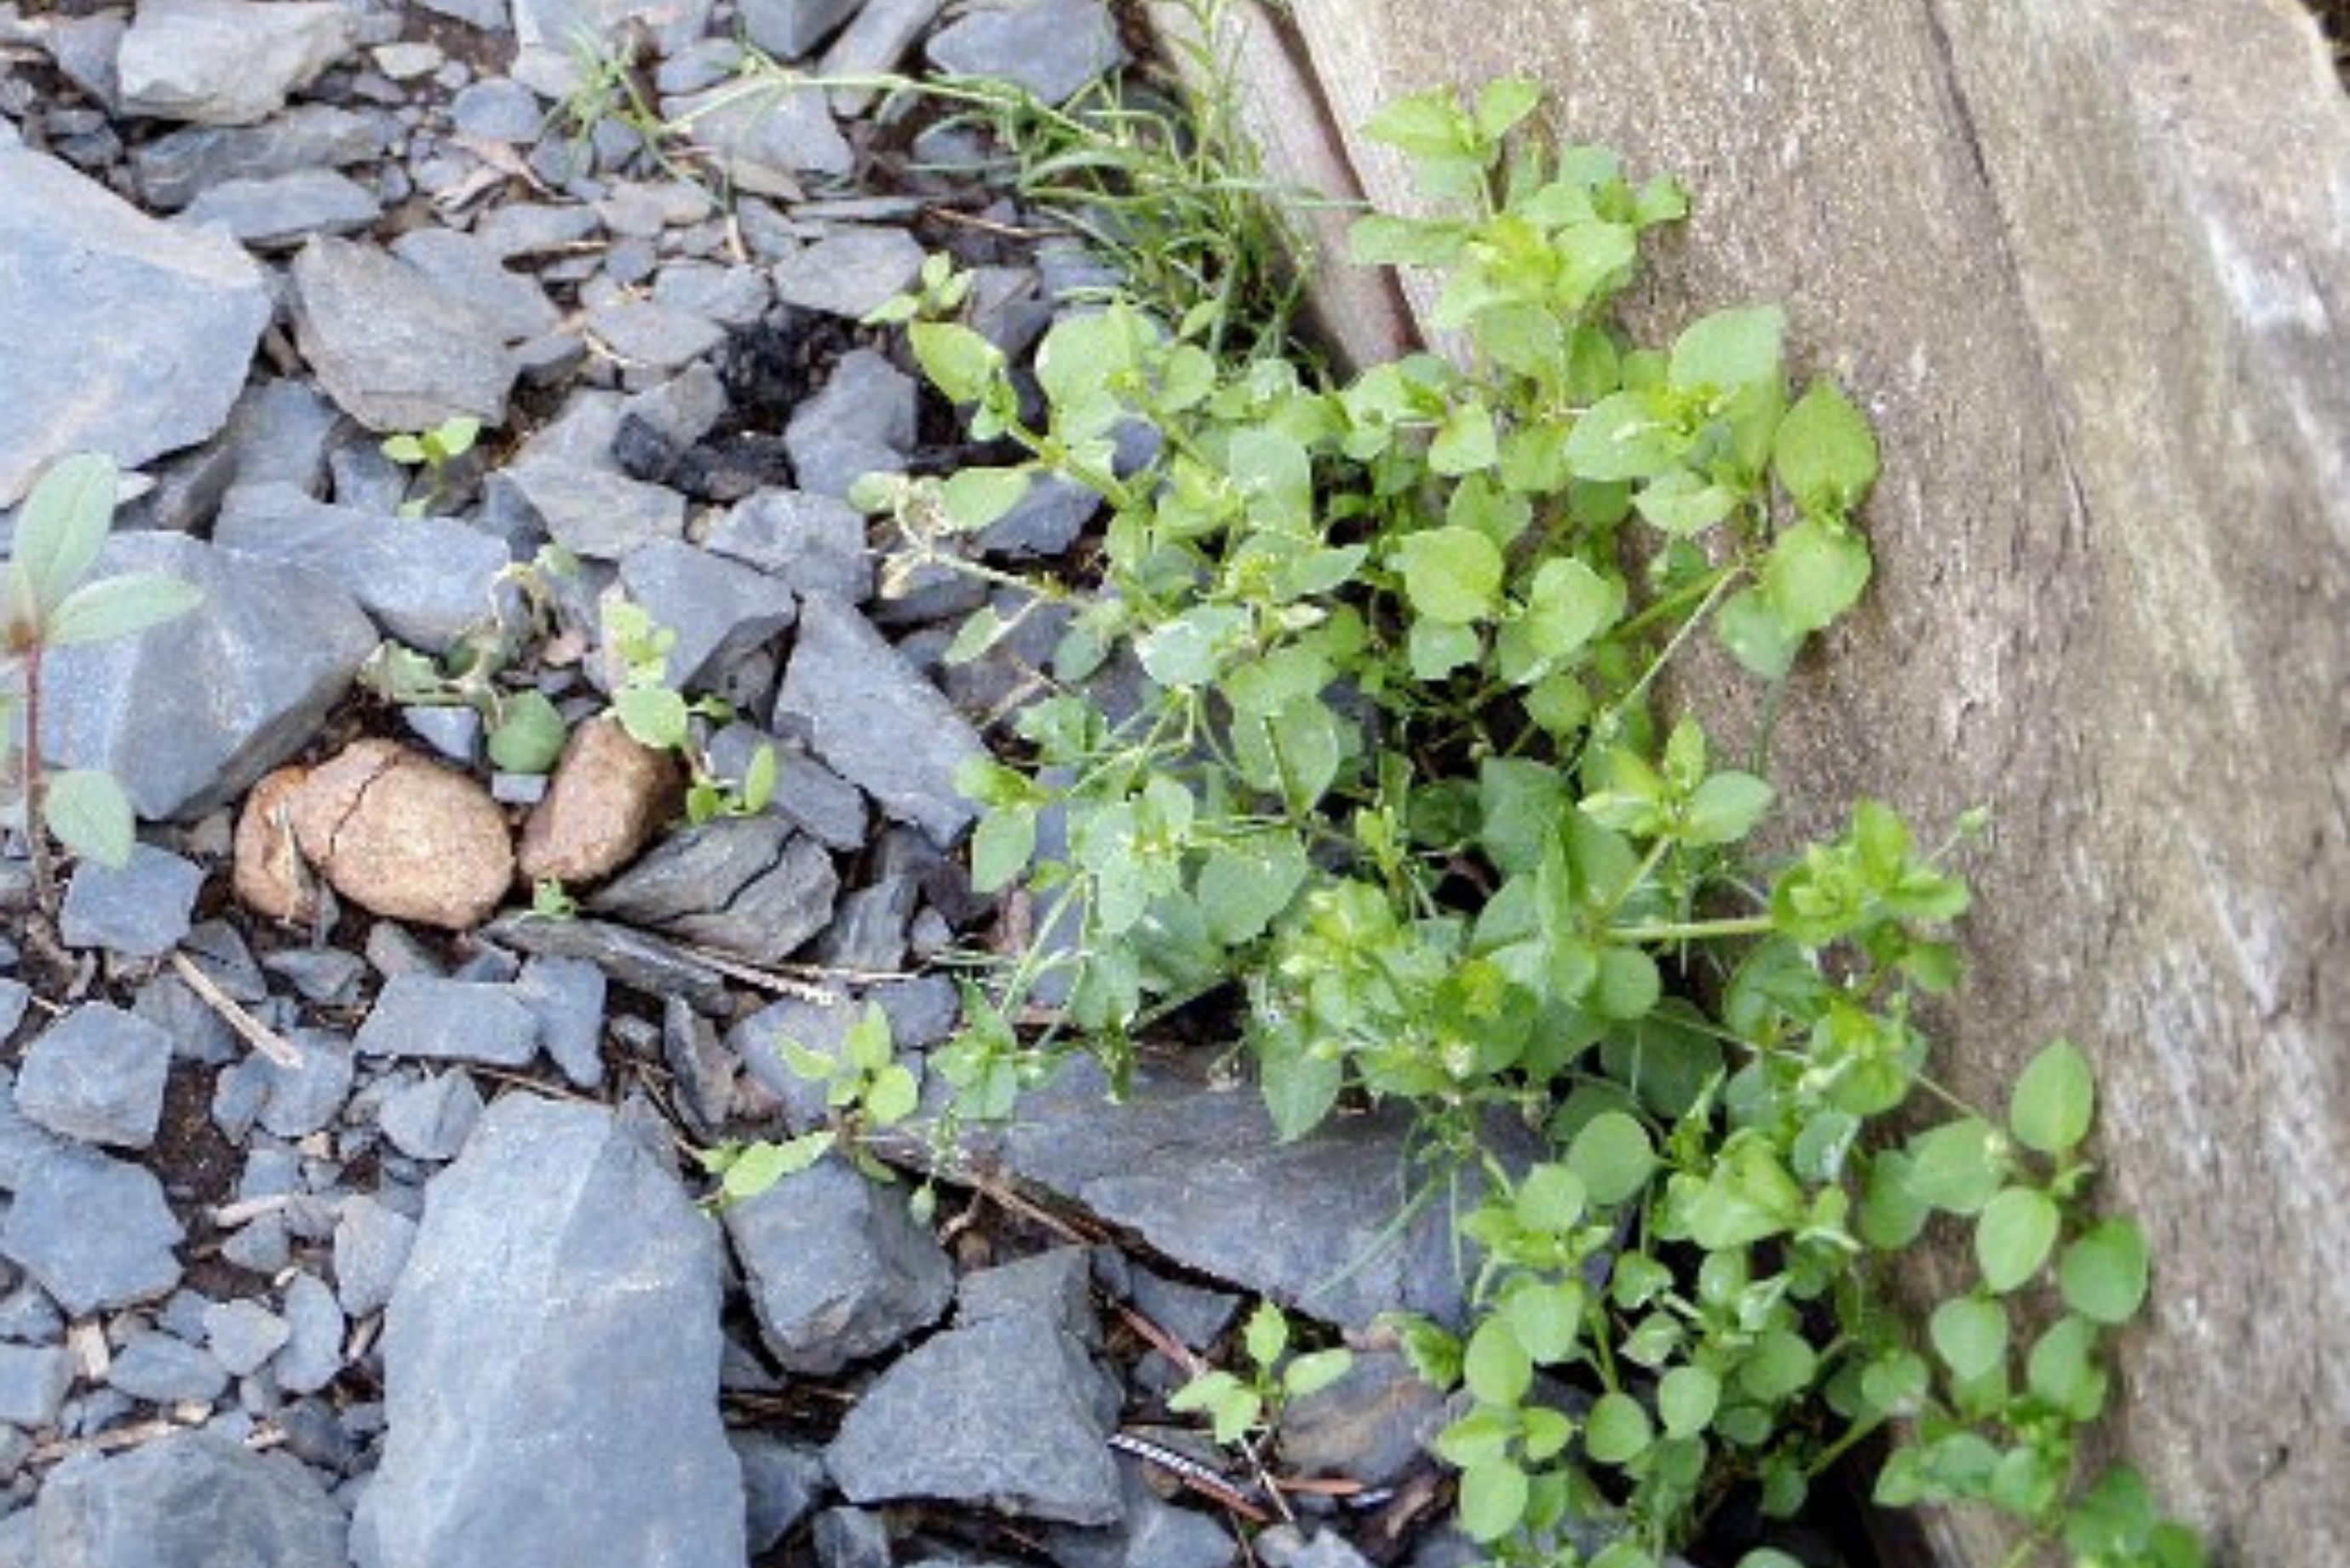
1694 931
36 831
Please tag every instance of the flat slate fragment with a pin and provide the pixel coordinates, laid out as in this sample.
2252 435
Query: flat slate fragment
94 1232
1008 1414
421 1015
195 1498
875 721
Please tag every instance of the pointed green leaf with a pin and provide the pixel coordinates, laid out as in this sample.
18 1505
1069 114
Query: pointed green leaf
1730 348
121 607
2102 1275
60 532
2013 1235
2055 1100
1452 574
90 814
1825 452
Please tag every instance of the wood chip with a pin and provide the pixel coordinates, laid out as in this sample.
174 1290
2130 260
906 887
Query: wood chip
251 1030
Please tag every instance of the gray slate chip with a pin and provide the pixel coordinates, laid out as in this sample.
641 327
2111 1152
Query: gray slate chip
281 210
174 170
243 1335
277 646
226 62
468 269
781 1482
850 271
551 1360
836 1267
746 884
1052 47
190 1500
1010 1415
594 511
425 1016
431 1119
766 139
790 28
33 1383
862 422
637 960
873 720
94 1232
312 1356
163 1369
1154 1533
567 996
372 1241
426 581
98 1075
813 544
394 350
720 609
125 336
142 909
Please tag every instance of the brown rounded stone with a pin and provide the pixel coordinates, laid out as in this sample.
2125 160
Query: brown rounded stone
401 836
269 875
607 798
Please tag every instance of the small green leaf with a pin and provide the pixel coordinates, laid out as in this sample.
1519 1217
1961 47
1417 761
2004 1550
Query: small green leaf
2062 1368
759 780
1757 636
1299 1089
1452 574
2013 1237
1311 1373
1824 454
653 716
1956 1167
2102 1275
1493 1499
1495 1365
1815 573
960 362
59 532
1466 444
893 1095
403 449
1504 103
529 735
1730 348
1969 1333
1725 808
1618 1430
1244 884
1624 435
90 814
1001 847
1267 1336
119 607
2055 1100
975 497
762 1165
1613 1157
1687 1397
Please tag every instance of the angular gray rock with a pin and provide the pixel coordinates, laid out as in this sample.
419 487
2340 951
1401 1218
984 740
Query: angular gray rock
428 1017
658 335
279 212
1154 1533
174 170
468 269
395 350
278 646
23 1143
1009 1414
1057 1283
432 1120
781 1481
1187 1167
189 1497
765 139
551 1361
863 421
372 1241
836 1267
244 1334
747 884
567 996
94 1232
425 580
550 32
636 959
790 28
121 335
312 1356
876 40
227 62
874 721
97 1075
163 1369
1052 47
813 544
140 909
591 511
849 271
720 609
1371 1426
33 1383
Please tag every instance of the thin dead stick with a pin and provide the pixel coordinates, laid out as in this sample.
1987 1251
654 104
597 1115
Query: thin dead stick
254 1032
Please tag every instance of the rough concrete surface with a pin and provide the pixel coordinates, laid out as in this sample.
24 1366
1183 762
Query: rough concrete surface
2088 265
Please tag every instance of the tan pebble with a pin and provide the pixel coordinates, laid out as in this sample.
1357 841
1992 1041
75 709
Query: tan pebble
610 795
404 837
269 876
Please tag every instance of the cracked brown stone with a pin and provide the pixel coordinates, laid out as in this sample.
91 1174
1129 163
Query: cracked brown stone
403 837
610 795
268 874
